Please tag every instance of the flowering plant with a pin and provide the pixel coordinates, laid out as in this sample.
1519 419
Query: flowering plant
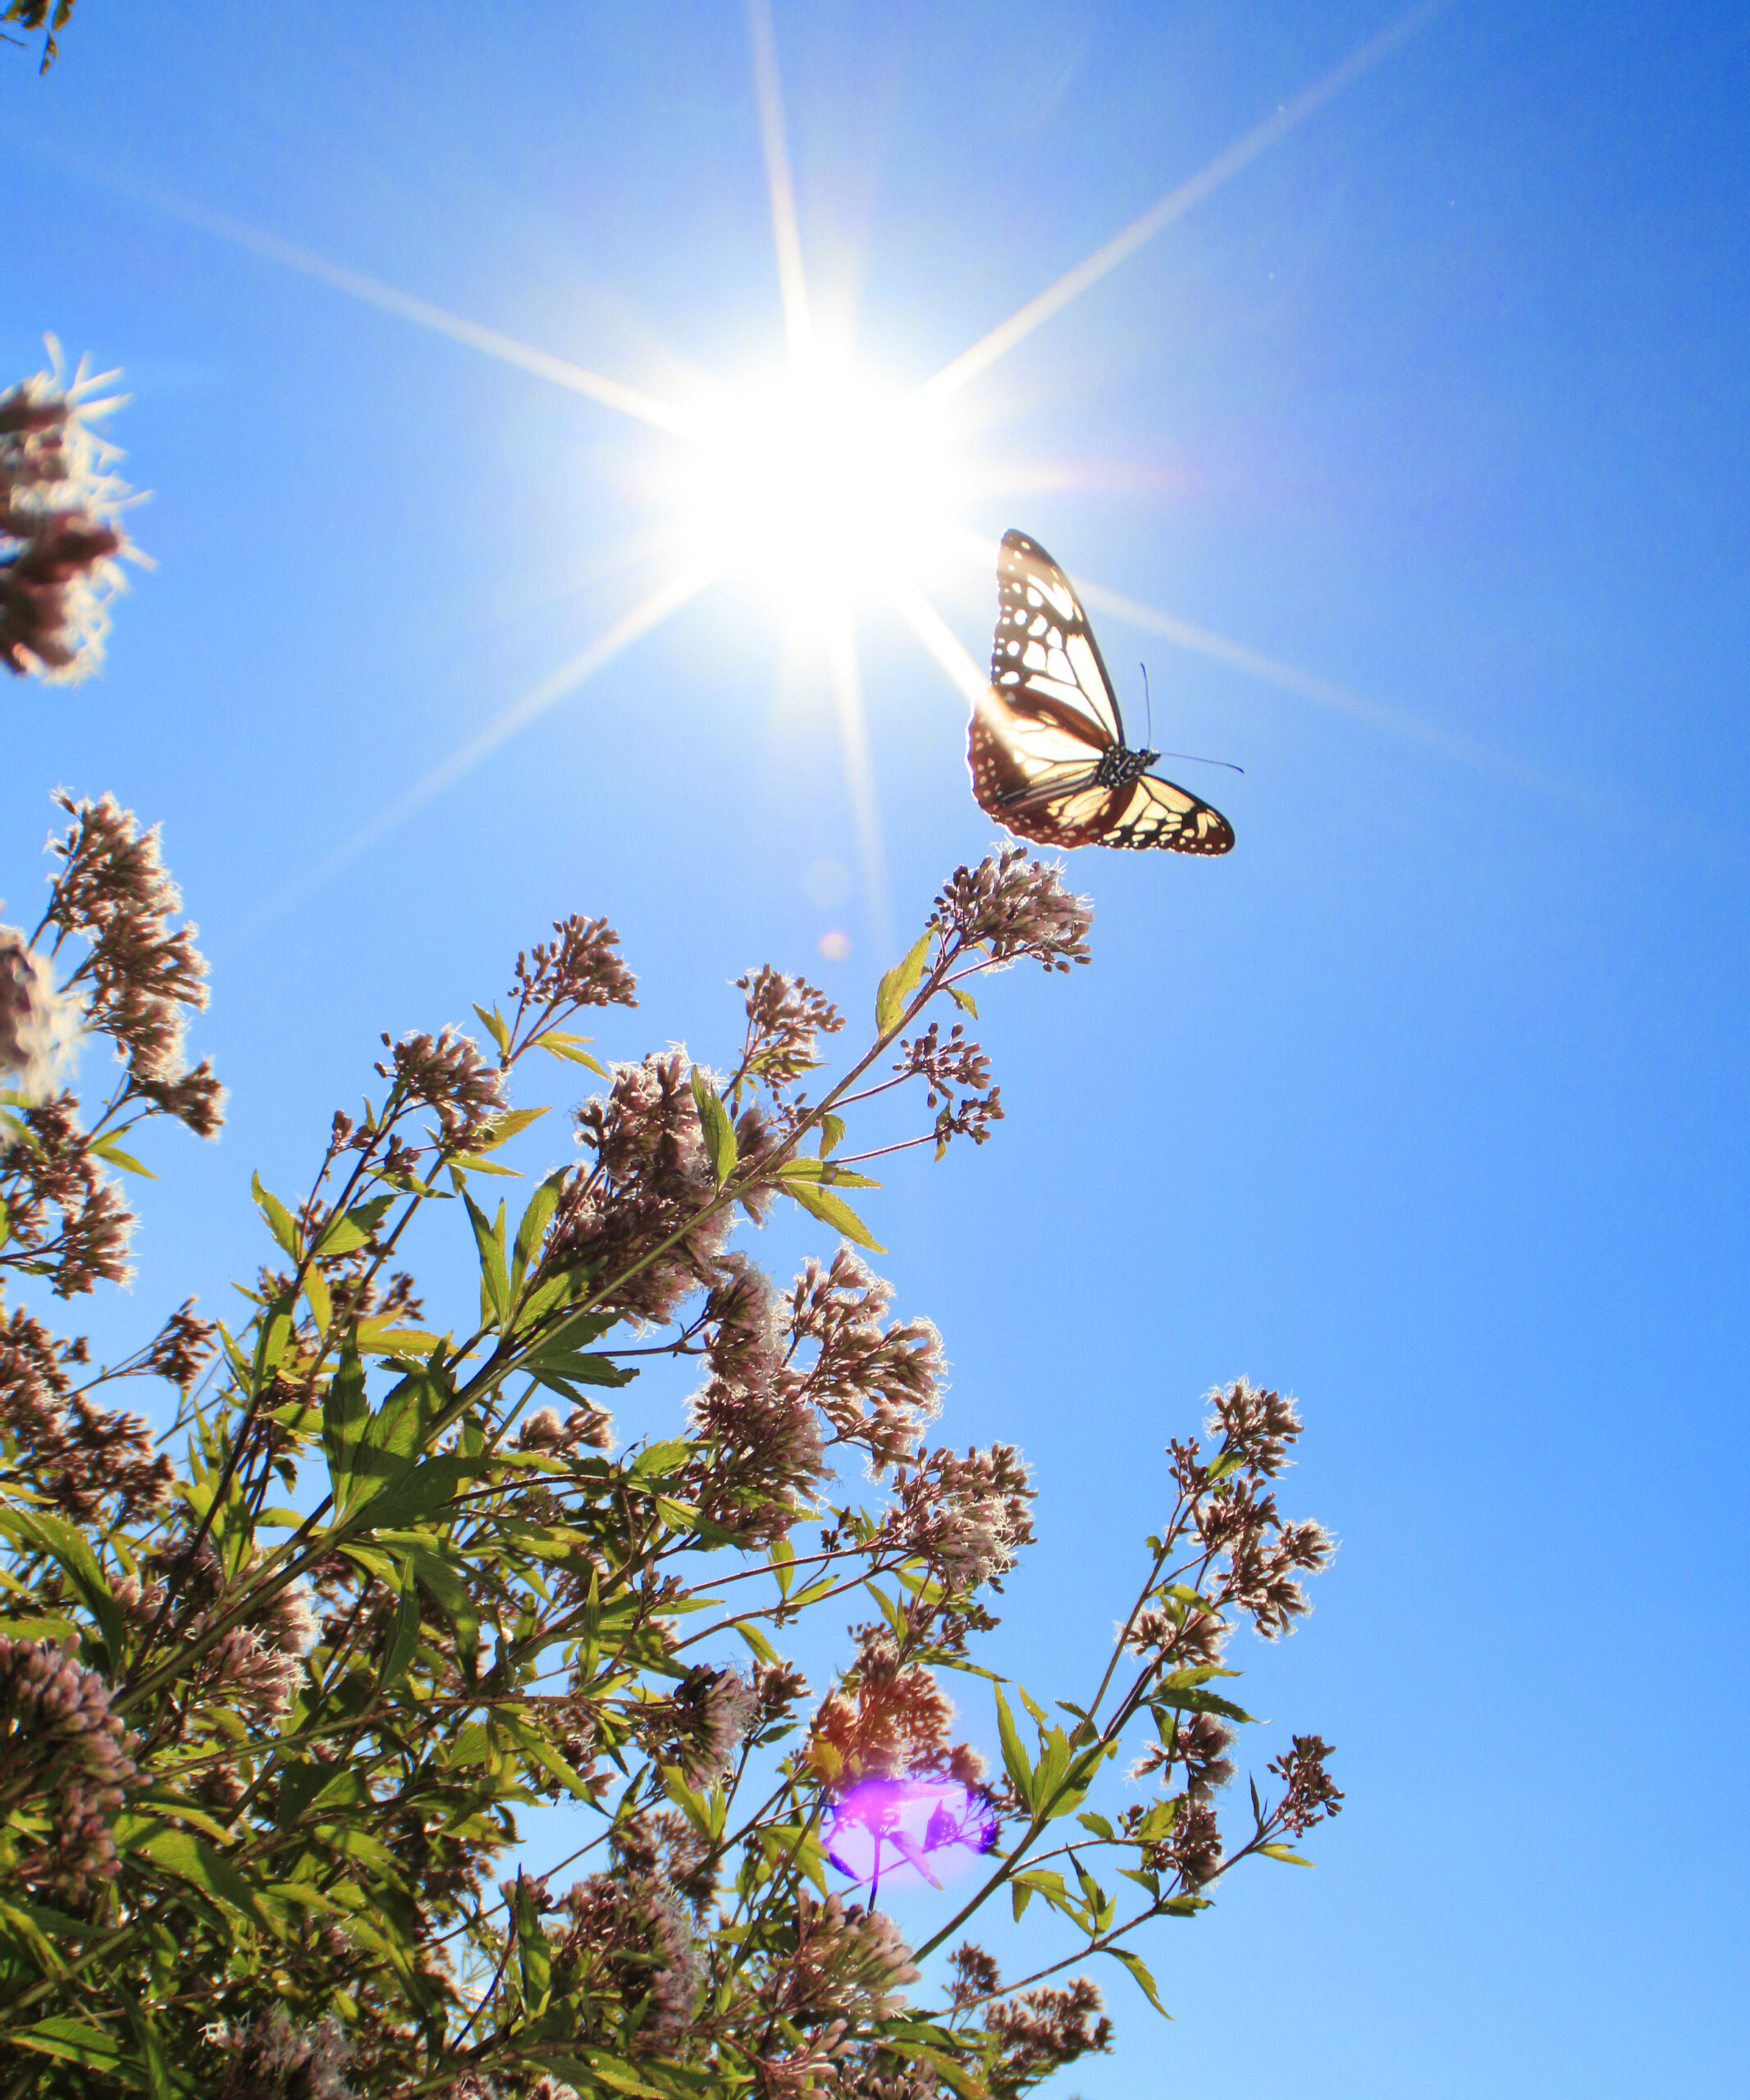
276 1684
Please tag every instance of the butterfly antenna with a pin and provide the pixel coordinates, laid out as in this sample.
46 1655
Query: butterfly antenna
1191 758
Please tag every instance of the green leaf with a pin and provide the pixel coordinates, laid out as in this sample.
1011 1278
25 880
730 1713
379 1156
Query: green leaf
558 1044
345 1411
404 1641
493 1021
494 1277
107 1148
824 1174
352 1229
507 1125
834 1211
534 1952
720 1132
898 984
192 1859
450 1594
532 1229
756 1641
782 1553
831 1134
38 1532
1139 1969
963 999
416 1496
1098 1825
321 1302
279 1220
1192 1699
1282 1853
579 1368
1014 1757
76 2042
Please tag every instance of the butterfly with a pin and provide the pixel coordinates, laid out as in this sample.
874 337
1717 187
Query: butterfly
1047 747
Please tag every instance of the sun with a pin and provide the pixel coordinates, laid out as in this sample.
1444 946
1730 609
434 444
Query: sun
821 488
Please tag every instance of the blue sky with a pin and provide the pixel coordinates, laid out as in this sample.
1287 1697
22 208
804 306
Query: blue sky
1428 1103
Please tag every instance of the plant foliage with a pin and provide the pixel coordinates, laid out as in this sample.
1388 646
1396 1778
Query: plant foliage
281 1686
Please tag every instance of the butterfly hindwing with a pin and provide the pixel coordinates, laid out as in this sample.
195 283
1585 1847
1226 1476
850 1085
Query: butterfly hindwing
1050 726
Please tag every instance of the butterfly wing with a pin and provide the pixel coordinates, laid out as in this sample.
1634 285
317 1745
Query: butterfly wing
1039 781
1044 660
1151 811
1037 736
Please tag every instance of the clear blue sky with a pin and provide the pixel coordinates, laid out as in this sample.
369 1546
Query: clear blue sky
1428 1103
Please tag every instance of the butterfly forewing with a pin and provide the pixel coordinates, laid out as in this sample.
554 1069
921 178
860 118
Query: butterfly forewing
1044 656
1039 735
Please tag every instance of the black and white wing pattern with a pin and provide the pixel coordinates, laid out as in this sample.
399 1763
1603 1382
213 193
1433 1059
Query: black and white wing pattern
1046 745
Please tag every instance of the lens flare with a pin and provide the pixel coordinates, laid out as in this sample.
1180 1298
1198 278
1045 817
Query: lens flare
927 1824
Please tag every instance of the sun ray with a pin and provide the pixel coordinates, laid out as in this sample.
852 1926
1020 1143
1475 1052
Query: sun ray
562 372
1021 323
649 612
786 233
941 640
1309 686
859 773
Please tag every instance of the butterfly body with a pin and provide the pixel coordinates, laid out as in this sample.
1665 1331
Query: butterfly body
1046 745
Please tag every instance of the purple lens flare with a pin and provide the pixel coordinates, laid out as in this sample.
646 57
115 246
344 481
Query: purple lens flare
927 1822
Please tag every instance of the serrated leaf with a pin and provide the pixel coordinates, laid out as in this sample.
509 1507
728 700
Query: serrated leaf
1282 1853
507 1124
1098 1825
74 2042
493 1021
963 999
532 1229
107 1148
321 1302
718 1131
353 1229
490 1240
831 1134
1139 1969
192 1859
280 1220
1192 1699
558 1044
1014 1756
534 1950
834 1211
897 987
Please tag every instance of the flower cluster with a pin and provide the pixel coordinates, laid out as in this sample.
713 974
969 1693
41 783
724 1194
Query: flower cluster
632 1932
580 966
888 1717
848 1964
272 2057
640 1221
90 1463
59 540
967 1517
64 1753
141 976
68 1220
36 1023
447 1073
1237 1519
1014 908
786 1018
